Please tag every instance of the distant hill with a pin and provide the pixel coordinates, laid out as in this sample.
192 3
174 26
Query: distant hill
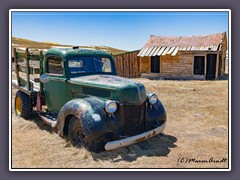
20 42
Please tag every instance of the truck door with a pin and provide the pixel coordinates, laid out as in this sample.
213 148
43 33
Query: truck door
55 88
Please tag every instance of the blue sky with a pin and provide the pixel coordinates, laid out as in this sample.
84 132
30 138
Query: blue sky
123 30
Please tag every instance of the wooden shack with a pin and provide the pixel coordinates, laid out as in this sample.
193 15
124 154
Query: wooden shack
192 57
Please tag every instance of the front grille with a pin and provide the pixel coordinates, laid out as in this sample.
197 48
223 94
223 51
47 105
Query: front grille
134 118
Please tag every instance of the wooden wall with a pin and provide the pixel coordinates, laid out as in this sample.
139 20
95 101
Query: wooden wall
145 66
128 64
179 65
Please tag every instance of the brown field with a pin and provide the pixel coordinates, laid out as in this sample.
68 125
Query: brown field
20 42
197 128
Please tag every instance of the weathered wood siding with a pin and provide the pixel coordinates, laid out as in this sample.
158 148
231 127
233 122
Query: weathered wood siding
179 65
145 64
128 64
223 54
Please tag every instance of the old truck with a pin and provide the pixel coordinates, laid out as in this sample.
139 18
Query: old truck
79 94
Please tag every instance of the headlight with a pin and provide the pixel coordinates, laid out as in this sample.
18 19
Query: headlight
152 98
111 107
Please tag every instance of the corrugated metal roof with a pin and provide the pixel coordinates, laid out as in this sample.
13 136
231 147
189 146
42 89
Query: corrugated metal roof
162 45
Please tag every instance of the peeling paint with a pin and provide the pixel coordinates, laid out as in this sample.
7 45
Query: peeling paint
96 117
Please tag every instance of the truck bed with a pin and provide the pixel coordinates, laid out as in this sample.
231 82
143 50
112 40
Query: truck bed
36 87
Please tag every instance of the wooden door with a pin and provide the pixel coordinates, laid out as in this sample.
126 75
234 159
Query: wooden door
211 66
198 65
155 64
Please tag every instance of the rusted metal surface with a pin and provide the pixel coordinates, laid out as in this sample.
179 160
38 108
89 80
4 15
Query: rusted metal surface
134 139
210 42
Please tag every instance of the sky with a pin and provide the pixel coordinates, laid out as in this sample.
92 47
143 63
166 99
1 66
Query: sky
123 30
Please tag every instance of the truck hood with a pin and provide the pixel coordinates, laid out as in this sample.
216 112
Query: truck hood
111 87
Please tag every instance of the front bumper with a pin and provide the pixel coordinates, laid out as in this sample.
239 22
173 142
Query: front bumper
134 139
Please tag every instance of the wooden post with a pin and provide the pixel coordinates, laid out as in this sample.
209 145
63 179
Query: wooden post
41 68
217 67
27 58
16 66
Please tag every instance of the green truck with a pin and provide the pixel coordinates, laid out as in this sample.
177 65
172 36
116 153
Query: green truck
79 94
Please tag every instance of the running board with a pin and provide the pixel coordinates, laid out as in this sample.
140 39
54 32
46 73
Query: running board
49 118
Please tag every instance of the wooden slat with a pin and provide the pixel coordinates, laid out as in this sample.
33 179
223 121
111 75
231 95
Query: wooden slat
161 51
16 66
20 50
192 48
184 49
175 51
165 51
214 48
153 51
149 51
144 52
156 51
171 50
220 47
139 54
27 69
32 70
189 48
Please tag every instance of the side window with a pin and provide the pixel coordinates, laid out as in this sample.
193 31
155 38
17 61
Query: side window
106 65
55 65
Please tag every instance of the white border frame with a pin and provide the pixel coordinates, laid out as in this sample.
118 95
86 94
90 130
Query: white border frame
120 10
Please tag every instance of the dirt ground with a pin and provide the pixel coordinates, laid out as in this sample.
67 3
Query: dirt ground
196 135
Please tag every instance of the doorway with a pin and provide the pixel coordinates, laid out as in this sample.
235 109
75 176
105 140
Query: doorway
198 65
211 66
155 64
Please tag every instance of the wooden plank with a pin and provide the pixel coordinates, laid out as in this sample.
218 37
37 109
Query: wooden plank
139 54
34 51
149 51
214 48
171 50
153 51
21 49
144 52
161 51
175 51
32 70
165 51
156 51
16 66
189 48
28 69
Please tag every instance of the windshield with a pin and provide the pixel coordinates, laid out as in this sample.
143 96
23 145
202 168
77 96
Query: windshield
89 65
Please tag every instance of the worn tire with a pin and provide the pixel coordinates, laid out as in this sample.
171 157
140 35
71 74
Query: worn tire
75 133
23 105
78 139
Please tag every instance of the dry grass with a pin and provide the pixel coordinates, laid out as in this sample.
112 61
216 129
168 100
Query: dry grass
197 128
20 42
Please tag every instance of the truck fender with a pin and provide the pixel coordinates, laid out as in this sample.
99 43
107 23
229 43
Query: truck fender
156 115
90 112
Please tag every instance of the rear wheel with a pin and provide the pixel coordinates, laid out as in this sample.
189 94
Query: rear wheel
23 105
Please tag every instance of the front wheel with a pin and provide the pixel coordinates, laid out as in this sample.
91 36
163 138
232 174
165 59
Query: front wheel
23 105
75 133
77 137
